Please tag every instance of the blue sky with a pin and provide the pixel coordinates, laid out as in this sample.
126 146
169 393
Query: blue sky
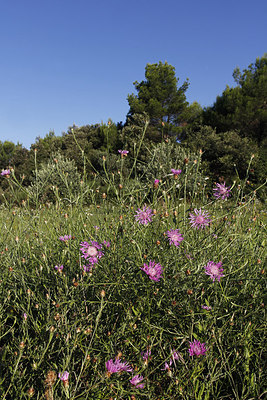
75 61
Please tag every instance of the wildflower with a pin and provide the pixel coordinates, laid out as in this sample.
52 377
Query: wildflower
175 237
175 355
156 183
64 376
153 270
123 153
65 238
91 252
221 191
208 308
107 244
145 354
5 172
144 216
196 348
136 381
200 219
167 366
176 172
117 366
25 316
214 270
59 267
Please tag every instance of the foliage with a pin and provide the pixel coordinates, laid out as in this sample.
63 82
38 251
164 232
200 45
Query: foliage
58 178
169 155
160 97
243 108
221 151
54 320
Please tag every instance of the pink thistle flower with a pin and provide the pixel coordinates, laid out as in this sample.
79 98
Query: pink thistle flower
153 270
5 172
176 172
123 153
145 354
112 366
65 238
135 381
117 366
214 270
167 366
207 308
156 183
64 376
175 237
221 191
91 252
196 348
200 219
144 216
59 268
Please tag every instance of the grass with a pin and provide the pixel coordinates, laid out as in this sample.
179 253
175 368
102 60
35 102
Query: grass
76 321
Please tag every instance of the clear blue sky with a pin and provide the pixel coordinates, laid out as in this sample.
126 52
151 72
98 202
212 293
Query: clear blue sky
75 61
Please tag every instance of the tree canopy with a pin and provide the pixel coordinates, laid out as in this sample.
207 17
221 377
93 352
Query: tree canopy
243 107
159 96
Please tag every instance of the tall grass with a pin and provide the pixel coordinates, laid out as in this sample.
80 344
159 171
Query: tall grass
72 320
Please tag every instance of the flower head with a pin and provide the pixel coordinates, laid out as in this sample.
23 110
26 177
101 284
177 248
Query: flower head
145 354
196 348
176 172
117 366
144 216
156 183
59 267
200 219
221 191
91 252
135 381
123 153
214 270
153 270
65 238
175 237
64 376
207 308
5 172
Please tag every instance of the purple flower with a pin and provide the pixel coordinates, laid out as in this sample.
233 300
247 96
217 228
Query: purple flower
175 237
208 308
91 252
123 153
5 172
59 267
107 244
214 270
221 191
196 348
156 183
117 366
200 219
167 366
176 172
144 216
153 270
175 355
25 316
145 354
136 381
64 376
65 238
